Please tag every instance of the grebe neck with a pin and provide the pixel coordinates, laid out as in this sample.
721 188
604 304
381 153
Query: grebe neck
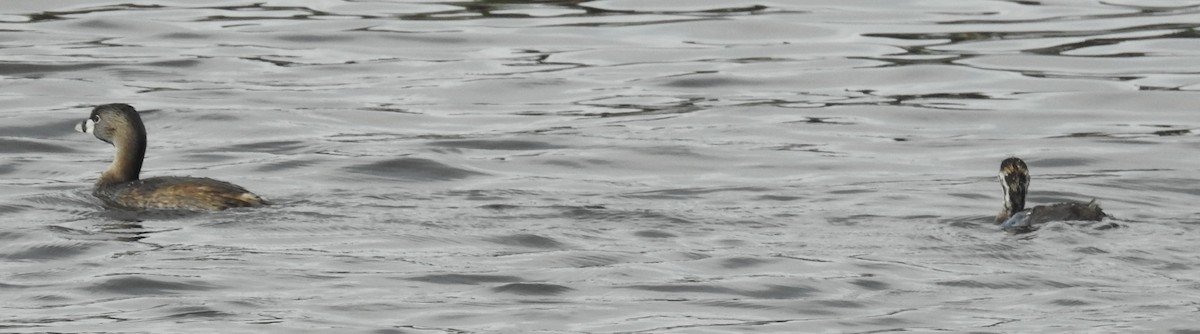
1014 180
127 164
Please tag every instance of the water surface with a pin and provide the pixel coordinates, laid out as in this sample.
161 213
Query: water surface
605 166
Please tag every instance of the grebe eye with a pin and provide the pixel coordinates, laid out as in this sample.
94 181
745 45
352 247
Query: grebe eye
95 118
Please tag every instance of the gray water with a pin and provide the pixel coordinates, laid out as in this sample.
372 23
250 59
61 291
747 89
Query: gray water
623 166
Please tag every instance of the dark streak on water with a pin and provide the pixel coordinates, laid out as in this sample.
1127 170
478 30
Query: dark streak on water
612 166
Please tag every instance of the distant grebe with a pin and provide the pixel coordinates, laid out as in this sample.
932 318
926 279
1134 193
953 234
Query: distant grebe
1014 179
120 125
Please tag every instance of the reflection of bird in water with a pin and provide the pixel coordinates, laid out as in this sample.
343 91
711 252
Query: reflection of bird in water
1014 179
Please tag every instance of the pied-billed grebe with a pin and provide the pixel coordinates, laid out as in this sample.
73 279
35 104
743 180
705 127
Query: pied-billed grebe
1014 179
119 124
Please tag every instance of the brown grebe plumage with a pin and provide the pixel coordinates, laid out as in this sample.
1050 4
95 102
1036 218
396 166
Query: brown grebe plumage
1014 180
119 186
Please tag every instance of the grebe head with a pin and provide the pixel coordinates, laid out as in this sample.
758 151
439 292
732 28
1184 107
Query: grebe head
118 124
1014 180
112 122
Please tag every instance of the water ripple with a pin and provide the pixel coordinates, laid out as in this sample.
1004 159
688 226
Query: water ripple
609 166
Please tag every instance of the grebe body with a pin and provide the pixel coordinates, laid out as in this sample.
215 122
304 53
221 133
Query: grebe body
119 185
1014 180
